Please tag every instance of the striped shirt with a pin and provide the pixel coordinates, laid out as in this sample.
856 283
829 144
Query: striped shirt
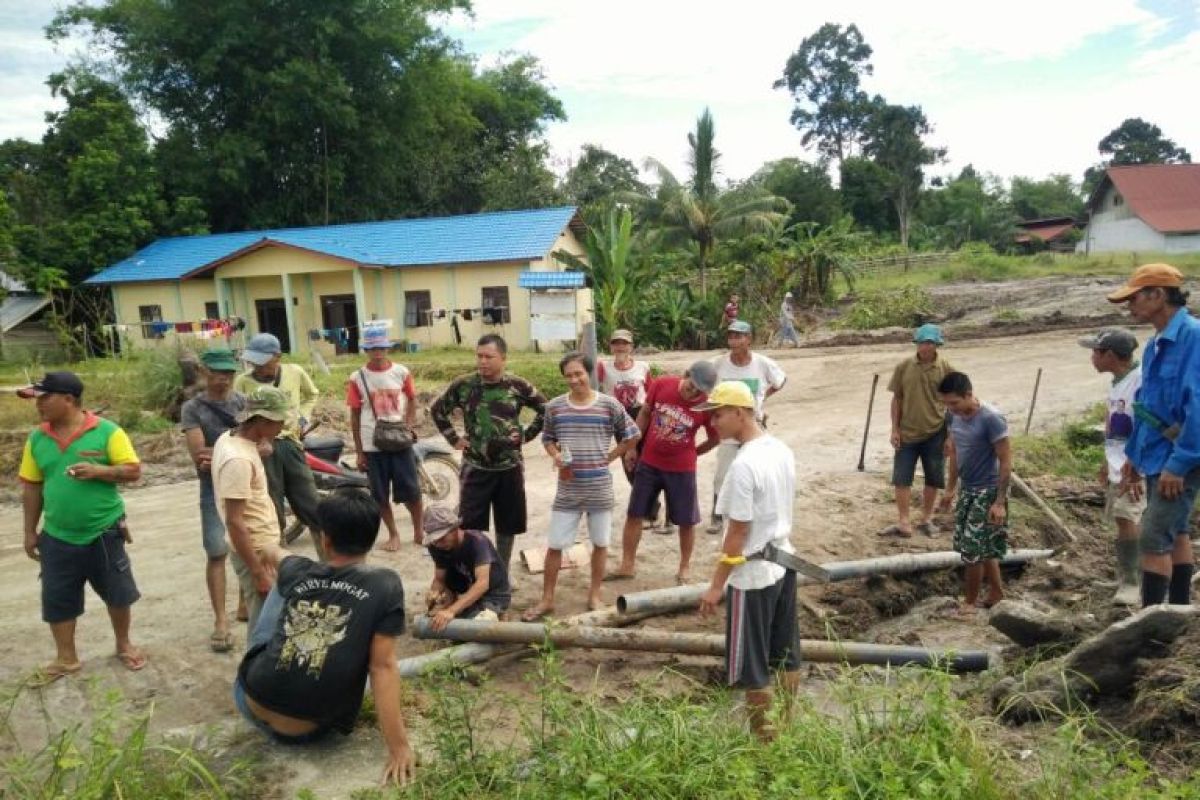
587 432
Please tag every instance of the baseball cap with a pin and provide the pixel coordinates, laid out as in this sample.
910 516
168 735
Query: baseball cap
729 393
739 326
704 375
621 335
1145 276
928 333
437 521
1118 340
219 360
54 383
261 348
267 402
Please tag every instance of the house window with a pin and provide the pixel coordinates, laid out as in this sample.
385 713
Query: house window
416 309
149 314
1118 200
212 310
496 310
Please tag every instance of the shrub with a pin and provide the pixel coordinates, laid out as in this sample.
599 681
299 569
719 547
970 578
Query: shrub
885 308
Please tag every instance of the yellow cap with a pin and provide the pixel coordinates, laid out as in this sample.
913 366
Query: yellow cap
729 393
1146 276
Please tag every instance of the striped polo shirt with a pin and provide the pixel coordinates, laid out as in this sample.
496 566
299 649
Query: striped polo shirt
589 432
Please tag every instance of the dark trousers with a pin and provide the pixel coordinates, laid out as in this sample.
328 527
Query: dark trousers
288 476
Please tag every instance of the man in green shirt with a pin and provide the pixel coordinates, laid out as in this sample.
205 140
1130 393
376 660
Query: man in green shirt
288 475
918 428
70 467
493 474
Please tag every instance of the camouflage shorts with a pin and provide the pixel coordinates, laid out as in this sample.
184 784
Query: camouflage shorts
976 539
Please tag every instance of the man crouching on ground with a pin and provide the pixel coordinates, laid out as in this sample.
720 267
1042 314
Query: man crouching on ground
324 627
761 632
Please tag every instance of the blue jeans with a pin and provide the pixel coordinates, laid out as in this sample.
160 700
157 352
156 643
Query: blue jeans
212 529
268 621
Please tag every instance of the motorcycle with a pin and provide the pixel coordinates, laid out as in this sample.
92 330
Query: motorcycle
437 471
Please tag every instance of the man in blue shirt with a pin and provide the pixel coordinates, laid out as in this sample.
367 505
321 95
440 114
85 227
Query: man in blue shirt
1165 444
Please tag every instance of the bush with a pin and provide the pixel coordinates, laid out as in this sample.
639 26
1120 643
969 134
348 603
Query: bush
886 308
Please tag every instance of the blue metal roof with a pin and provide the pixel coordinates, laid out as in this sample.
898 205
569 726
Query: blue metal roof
551 280
470 238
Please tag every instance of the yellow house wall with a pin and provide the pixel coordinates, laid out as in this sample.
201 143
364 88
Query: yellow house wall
179 301
275 261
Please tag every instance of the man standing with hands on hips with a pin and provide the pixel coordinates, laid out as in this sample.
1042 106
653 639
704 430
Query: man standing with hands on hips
761 632
1165 444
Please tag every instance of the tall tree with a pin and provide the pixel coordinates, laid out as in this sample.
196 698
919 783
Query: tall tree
1134 141
1056 196
895 142
863 187
598 175
311 111
824 77
697 211
969 207
806 186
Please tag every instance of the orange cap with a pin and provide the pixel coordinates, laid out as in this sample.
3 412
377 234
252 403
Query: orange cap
1145 276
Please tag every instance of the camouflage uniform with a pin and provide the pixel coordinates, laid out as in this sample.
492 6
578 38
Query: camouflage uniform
492 474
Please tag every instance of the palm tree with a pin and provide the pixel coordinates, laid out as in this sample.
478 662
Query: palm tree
699 212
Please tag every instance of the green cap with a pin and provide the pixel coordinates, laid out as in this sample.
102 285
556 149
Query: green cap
219 360
267 402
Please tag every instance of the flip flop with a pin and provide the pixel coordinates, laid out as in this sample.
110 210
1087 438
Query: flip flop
132 661
614 577
896 530
681 579
44 676
532 615
220 642
926 528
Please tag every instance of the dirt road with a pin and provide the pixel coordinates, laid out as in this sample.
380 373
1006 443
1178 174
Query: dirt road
820 414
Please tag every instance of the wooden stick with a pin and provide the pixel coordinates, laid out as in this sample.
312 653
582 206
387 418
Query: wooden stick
1033 402
1020 483
862 453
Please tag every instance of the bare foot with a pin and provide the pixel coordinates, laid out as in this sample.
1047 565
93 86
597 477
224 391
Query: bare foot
595 601
391 545
682 577
538 612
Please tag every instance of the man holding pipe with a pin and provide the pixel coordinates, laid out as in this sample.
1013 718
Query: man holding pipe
1165 443
761 632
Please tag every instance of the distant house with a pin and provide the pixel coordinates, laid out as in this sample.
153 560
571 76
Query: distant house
437 280
1148 208
1055 233
25 334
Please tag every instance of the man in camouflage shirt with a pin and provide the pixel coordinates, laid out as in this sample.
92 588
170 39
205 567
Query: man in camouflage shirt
493 474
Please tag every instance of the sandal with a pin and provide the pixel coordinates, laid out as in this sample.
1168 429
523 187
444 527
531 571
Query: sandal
926 528
132 660
896 530
44 676
220 642
614 577
533 615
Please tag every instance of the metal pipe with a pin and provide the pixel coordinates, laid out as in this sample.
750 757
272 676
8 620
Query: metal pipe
705 644
678 598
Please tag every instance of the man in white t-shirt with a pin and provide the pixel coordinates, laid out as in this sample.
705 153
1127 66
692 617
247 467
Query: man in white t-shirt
762 377
761 633
383 390
1112 352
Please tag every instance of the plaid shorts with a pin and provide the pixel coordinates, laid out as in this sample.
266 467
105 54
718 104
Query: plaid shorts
976 539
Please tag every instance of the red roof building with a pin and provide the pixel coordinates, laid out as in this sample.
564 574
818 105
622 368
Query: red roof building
1145 208
1054 232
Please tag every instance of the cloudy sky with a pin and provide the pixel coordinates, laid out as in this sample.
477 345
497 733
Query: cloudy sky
1015 88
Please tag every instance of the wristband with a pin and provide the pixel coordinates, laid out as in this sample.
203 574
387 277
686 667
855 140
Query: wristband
732 561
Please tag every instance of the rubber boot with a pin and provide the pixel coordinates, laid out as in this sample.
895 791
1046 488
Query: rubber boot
1129 573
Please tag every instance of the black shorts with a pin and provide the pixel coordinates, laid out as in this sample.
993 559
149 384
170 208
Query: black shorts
393 474
66 567
500 491
761 632
930 452
683 507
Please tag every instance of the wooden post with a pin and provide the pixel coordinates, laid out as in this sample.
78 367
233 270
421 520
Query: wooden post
862 453
1033 400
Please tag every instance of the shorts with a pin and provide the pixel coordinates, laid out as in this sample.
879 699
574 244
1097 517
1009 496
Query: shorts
1120 506
500 491
679 487
932 457
394 473
212 530
976 539
761 633
67 567
1163 521
254 600
563 525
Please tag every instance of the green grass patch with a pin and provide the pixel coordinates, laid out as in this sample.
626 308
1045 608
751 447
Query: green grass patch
907 307
1076 450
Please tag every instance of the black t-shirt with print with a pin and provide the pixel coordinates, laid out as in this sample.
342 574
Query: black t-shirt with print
475 550
316 663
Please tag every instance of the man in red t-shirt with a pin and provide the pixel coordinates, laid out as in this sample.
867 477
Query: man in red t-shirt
669 422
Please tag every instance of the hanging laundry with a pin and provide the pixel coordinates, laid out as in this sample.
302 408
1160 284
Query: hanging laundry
343 336
314 335
441 313
238 323
185 327
467 314
210 325
159 328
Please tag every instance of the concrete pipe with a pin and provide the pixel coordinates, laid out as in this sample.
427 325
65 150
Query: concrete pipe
659 641
681 598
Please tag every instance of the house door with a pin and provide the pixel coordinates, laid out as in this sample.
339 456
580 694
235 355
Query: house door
272 318
340 311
